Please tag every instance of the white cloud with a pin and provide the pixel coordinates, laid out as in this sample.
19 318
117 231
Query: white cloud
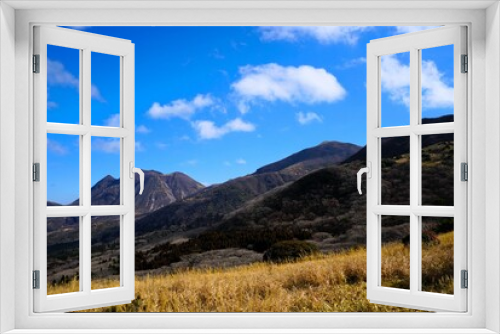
142 129
241 161
436 93
323 34
52 105
273 82
308 117
161 145
56 147
139 146
351 63
106 145
113 120
208 129
410 29
78 27
217 54
58 75
395 78
180 108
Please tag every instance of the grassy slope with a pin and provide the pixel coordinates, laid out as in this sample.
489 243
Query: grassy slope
331 283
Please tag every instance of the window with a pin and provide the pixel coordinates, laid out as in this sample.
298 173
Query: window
414 13
415 210
75 130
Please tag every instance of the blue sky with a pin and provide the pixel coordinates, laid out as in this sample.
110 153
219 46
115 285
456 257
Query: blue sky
220 102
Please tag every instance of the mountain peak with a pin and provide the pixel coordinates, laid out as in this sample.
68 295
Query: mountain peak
325 154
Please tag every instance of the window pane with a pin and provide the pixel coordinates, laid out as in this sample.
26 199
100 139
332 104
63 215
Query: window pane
105 252
437 170
63 255
395 90
63 169
63 85
395 170
395 240
105 171
437 97
437 254
105 90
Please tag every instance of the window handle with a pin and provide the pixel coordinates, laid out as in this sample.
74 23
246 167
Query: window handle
368 171
139 171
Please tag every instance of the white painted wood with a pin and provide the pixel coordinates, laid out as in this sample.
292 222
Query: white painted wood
77 129
86 297
7 167
244 4
492 186
413 43
471 322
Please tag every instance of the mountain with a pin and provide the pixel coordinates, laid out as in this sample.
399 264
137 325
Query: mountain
327 201
322 207
208 206
163 189
304 200
399 145
159 190
323 155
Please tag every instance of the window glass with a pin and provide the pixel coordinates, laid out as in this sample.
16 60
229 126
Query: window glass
63 85
63 248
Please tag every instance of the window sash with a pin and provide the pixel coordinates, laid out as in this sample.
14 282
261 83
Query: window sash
86 297
413 43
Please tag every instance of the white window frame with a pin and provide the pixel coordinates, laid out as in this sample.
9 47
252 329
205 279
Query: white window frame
86 43
483 121
415 211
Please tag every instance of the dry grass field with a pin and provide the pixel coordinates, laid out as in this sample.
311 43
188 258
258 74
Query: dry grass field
325 283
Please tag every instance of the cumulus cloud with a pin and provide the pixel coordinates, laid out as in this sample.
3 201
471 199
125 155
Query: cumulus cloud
273 82
351 63
208 129
142 129
78 27
180 108
409 29
58 75
322 34
395 77
106 145
308 117
436 93
113 120
139 146
56 147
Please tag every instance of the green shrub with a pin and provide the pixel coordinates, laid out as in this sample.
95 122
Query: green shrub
290 250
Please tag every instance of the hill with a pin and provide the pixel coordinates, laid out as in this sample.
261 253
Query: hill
208 206
399 145
331 283
159 190
322 207
323 155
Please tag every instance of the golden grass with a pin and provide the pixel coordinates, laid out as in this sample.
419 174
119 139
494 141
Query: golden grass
325 283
